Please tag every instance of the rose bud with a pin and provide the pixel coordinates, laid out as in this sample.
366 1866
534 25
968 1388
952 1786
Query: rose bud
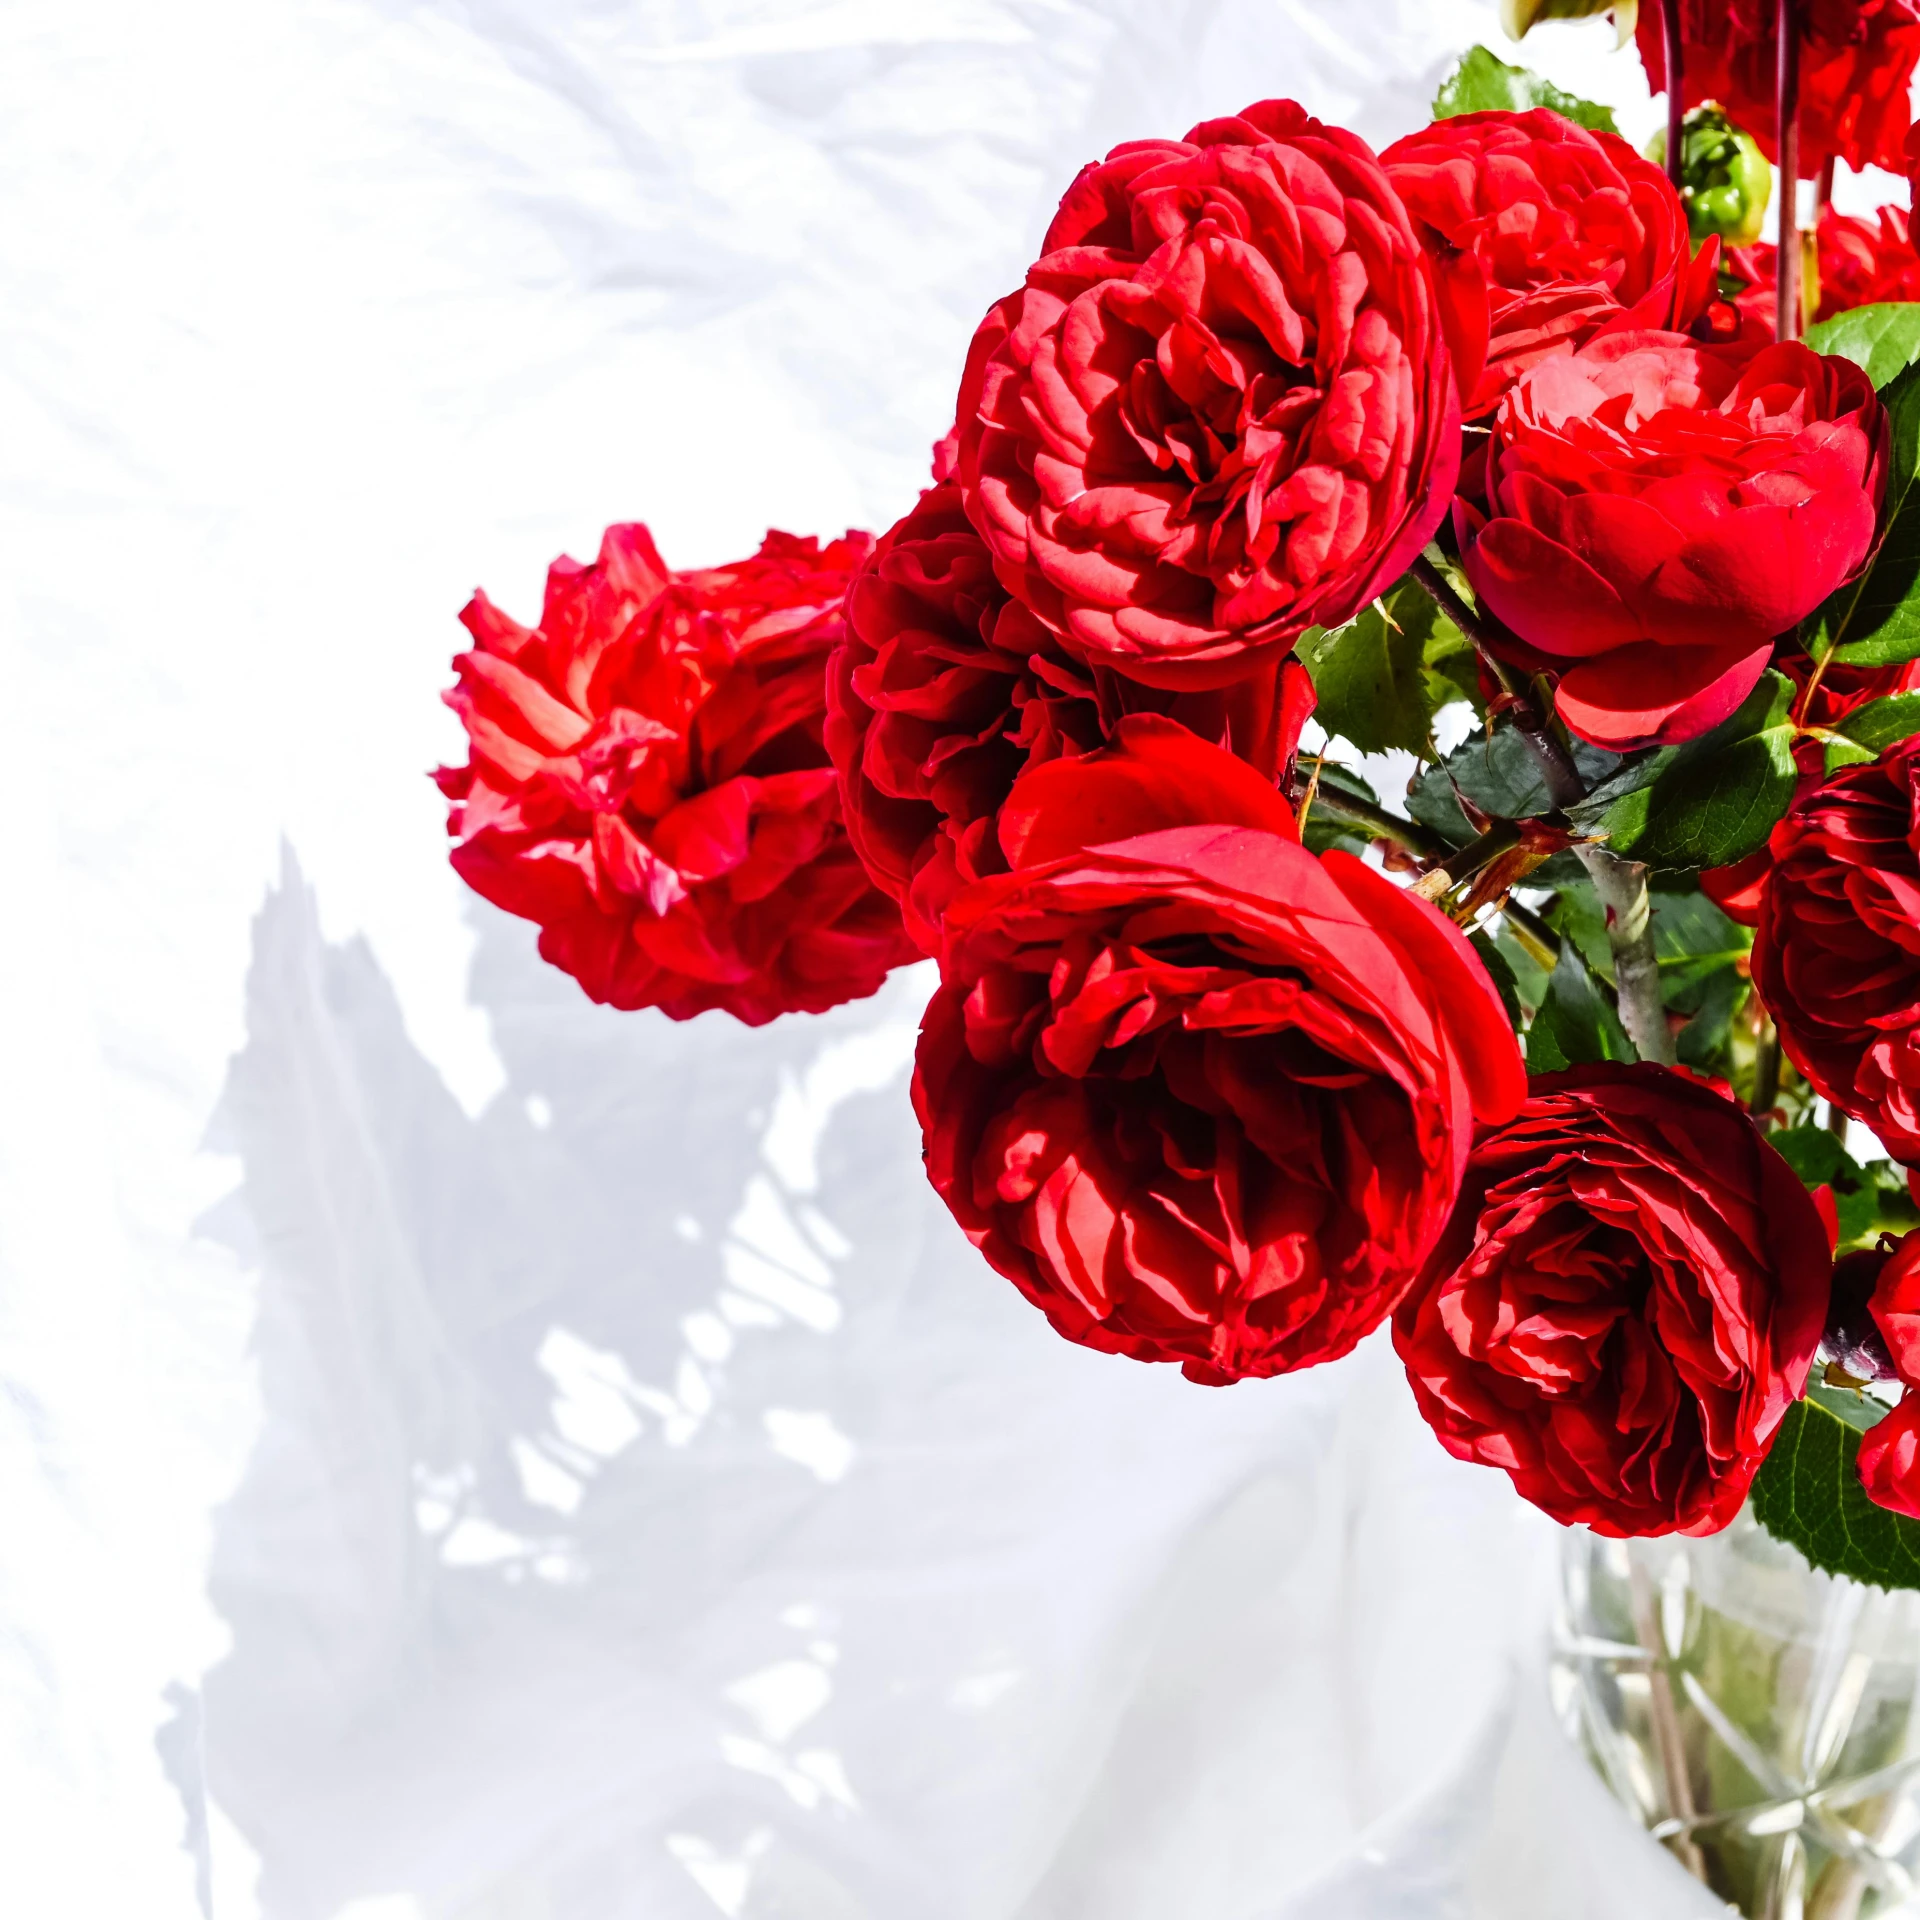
1658 511
1625 1304
1220 411
1543 235
1725 181
1836 954
648 781
946 689
1856 67
1736 890
1201 1096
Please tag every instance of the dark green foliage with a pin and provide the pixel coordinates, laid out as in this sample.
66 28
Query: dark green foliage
1715 800
1576 1022
1808 1493
1875 621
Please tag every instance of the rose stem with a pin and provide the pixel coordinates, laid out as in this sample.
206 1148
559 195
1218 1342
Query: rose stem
1564 784
1823 198
1409 835
1622 887
1766 1069
1786 275
1667 1740
1676 86
1531 931
1424 844
1501 837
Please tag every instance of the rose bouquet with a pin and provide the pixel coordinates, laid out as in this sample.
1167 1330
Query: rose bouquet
1557 1064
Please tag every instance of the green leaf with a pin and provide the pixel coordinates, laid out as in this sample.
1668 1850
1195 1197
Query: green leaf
1326 829
1701 953
1875 621
1705 1043
1718 798
1575 914
1881 722
1483 83
1821 1159
1692 938
1576 1022
1530 978
1501 974
1629 776
1808 1493
1499 775
1884 338
1369 677
1452 666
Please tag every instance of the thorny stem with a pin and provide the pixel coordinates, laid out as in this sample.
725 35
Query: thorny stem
1502 837
1564 784
1786 276
1622 887
1423 843
1676 87
1409 835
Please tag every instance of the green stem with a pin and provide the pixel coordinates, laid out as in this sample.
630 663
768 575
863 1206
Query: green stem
1622 887
1409 835
1549 751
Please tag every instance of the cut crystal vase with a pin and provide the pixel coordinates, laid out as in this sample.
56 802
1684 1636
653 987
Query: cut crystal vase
1761 1719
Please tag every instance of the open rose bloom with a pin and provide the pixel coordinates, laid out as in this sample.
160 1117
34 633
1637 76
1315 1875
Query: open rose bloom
1625 1305
1220 410
1200 1096
1837 954
1544 235
1657 513
649 782
946 689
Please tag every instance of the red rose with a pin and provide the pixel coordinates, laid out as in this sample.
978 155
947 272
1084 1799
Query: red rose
1855 72
1836 956
1201 1096
1659 511
946 689
1873 1331
1861 264
1543 235
1736 890
1625 1304
649 782
1865 262
1220 410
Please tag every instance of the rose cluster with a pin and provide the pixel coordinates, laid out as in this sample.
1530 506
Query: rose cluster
1207 1089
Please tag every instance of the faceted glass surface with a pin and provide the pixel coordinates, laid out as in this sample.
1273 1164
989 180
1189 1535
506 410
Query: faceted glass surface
1761 1719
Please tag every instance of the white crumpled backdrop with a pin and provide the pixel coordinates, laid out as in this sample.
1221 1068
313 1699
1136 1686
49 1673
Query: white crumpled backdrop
466 1455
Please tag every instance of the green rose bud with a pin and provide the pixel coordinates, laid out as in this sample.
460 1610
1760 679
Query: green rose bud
1725 181
1519 17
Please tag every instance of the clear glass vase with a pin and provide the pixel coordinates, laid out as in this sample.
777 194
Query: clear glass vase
1759 1718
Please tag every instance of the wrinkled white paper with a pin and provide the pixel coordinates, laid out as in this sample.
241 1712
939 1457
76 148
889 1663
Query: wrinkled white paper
466 1455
